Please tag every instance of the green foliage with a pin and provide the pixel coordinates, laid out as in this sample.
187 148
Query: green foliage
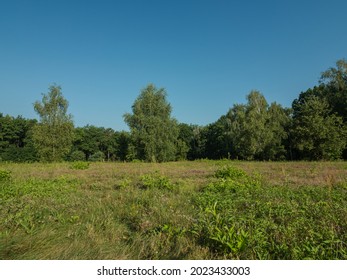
91 139
248 126
16 139
98 156
257 130
314 128
278 123
50 146
246 218
29 205
123 140
46 213
19 154
80 165
230 172
198 142
5 175
216 231
325 107
218 141
77 156
317 133
123 184
334 83
156 181
53 136
154 133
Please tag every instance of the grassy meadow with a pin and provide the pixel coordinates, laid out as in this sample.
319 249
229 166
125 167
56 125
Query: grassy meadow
176 210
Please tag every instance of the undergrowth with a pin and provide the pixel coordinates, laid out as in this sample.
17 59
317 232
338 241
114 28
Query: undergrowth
244 218
156 181
80 165
5 175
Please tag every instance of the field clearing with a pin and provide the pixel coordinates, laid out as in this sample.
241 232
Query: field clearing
176 210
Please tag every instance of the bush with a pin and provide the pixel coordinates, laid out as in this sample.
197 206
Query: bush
80 165
98 156
5 175
151 181
230 172
123 184
77 156
16 154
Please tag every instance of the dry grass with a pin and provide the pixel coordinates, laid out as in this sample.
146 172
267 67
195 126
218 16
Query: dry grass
51 211
298 173
196 172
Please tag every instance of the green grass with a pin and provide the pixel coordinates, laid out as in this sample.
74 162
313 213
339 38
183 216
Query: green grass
177 210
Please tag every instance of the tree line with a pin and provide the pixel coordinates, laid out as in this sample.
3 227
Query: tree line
314 128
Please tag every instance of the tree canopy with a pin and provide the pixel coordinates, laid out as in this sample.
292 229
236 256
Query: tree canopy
154 133
53 135
318 133
314 128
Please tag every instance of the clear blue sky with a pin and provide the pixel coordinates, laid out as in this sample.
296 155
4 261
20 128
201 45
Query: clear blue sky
208 55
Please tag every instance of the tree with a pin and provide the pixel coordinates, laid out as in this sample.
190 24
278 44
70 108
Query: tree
186 141
254 130
332 87
336 77
16 139
278 125
248 127
317 133
108 144
77 155
154 133
98 156
87 139
53 136
92 139
218 140
123 139
332 90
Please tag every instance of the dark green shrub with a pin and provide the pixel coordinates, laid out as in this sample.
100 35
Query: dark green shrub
98 156
77 156
230 172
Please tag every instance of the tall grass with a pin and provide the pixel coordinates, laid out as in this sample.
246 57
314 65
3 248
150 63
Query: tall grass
183 210
243 217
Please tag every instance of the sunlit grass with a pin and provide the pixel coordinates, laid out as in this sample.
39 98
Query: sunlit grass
177 210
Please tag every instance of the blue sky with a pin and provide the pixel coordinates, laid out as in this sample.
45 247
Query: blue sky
207 54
